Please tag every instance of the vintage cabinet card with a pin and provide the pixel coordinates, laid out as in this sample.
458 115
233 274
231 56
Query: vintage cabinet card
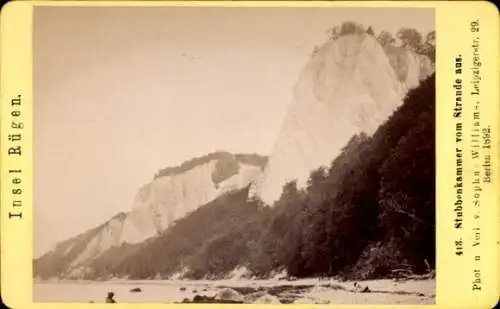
320 154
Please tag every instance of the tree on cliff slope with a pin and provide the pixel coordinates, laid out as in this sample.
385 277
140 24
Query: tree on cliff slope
429 47
410 37
369 31
385 38
346 28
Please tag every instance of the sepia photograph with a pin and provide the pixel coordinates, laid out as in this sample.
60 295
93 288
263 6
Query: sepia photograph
264 155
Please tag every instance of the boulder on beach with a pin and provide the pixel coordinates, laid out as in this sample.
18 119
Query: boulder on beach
305 300
250 298
322 302
182 289
267 299
135 290
203 299
230 295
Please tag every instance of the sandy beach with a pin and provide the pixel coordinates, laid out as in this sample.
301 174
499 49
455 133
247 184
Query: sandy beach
308 291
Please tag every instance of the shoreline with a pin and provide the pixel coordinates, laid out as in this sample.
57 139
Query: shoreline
313 291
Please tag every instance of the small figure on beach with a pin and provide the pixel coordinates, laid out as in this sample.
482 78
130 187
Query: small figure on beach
110 298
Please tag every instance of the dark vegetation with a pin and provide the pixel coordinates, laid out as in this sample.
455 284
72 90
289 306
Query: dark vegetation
367 215
181 245
410 38
228 164
225 168
373 210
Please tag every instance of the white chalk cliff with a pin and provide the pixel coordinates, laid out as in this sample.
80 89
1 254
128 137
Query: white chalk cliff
170 196
350 85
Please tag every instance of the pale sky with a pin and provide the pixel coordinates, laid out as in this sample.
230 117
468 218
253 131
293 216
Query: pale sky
123 92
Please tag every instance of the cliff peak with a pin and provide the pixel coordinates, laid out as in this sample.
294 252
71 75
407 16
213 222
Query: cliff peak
350 85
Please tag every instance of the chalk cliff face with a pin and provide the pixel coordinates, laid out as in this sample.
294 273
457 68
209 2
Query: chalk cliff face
108 235
350 85
64 259
170 196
